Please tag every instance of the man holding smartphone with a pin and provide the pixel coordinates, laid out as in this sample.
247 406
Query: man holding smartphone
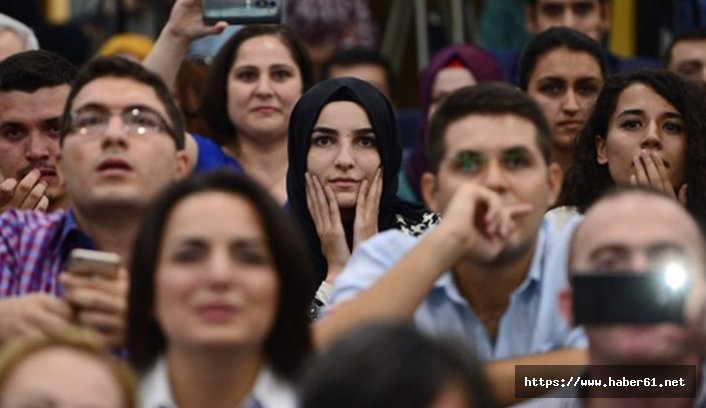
121 141
616 240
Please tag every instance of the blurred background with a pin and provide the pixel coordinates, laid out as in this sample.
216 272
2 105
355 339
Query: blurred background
405 31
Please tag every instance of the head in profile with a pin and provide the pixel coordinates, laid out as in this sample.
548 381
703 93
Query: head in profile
388 365
63 369
219 278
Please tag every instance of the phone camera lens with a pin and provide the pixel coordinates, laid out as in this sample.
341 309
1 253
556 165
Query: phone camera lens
262 3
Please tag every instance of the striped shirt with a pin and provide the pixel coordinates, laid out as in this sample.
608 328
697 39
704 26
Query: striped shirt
34 249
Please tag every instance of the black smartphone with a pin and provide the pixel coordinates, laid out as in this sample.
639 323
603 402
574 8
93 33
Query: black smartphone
242 11
627 298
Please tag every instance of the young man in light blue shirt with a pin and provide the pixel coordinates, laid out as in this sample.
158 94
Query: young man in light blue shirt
482 273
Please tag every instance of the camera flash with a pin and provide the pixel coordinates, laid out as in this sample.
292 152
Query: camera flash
675 275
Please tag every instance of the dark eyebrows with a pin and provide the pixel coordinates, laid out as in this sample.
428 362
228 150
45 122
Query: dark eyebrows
551 79
101 107
364 132
324 130
589 79
661 247
331 131
517 150
609 248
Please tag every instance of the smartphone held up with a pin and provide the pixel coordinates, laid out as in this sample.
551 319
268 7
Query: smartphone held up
96 264
242 11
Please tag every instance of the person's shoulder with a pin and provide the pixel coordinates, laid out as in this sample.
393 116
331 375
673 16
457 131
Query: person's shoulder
394 240
559 398
30 219
211 156
273 391
418 225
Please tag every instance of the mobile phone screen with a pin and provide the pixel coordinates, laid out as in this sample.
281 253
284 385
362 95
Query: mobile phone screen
626 298
242 11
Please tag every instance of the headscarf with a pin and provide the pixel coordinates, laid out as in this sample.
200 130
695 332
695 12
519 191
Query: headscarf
484 68
382 118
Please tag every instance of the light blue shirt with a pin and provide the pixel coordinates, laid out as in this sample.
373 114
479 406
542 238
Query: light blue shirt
531 324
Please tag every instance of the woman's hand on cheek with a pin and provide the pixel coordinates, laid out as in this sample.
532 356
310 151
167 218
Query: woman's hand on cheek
367 209
323 208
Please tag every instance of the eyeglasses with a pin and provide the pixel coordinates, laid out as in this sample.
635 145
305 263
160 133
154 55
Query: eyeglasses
93 120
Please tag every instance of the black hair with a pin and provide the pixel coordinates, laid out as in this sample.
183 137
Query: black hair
551 39
214 101
586 180
355 56
102 67
31 70
289 339
695 34
391 365
485 99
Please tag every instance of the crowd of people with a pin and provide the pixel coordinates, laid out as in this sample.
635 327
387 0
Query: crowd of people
282 243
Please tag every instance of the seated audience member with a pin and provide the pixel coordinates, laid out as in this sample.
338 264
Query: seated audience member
220 286
329 25
33 90
614 238
127 45
449 69
591 17
69 368
646 129
15 37
255 80
390 365
480 274
344 158
368 65
686 55
121 142
563 71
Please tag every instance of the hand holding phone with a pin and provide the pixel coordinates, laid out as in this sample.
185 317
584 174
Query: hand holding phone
242 11
96 286
89 263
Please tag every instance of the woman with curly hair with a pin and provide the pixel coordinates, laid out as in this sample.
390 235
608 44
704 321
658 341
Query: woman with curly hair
646 129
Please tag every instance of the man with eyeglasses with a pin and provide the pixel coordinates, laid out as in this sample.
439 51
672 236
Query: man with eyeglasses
122 142
33 89
481 274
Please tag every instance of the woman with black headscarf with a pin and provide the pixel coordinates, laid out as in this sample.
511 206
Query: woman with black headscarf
344 157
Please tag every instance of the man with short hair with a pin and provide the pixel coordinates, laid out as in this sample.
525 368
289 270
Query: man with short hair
613 238
591 17
366 64
33 90
686 55
481 274
122 142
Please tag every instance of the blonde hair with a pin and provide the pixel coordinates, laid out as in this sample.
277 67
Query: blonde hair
80 340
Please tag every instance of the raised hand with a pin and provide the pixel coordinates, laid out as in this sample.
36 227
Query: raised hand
478 223
185 21
367 208
99 303
27 194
